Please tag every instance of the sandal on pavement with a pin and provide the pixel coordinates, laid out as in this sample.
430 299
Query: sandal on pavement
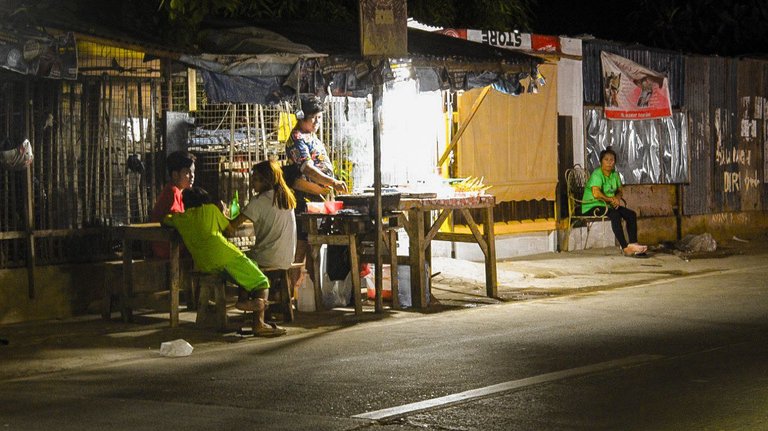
271 330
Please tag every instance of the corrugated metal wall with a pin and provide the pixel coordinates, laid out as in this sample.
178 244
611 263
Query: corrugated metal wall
726 105
670 63
726 102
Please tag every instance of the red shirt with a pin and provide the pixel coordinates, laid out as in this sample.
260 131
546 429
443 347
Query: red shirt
169 202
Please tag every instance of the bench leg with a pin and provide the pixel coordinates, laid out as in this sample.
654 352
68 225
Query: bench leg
279 281
202 301
221 306
206 287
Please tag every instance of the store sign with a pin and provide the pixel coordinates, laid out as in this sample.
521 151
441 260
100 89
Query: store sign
501 39
383 28
508 39
633 92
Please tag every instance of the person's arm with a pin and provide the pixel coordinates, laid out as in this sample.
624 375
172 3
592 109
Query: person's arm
619 196
231 228
615 201
317 176
305 186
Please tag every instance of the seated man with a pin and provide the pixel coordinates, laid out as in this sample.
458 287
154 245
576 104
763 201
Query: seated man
201 226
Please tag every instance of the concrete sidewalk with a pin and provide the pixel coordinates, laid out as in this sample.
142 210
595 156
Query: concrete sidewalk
37 348
462 283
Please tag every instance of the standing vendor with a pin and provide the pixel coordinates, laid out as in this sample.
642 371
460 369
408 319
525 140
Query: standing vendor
307 153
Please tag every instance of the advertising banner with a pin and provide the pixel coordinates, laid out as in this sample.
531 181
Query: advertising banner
633 92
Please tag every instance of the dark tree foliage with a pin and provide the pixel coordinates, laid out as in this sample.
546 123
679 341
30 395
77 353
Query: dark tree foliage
725 27
188 15
722 27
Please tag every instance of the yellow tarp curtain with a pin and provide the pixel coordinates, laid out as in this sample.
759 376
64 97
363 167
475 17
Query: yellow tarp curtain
512 141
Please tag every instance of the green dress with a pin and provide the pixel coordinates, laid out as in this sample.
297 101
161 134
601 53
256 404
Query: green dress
609 185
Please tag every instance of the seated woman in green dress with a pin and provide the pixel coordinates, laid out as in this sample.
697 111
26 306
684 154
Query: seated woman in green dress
603 193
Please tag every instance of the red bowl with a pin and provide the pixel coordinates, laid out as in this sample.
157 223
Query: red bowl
332 207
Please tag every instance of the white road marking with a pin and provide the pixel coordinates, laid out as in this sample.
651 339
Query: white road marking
473 394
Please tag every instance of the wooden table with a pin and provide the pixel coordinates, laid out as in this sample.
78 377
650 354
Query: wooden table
149 232
421 231
352 229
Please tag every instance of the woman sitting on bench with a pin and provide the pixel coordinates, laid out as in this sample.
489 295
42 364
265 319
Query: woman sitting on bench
270 210
603 189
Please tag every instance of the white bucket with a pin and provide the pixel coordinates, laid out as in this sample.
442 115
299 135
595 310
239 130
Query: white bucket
306 294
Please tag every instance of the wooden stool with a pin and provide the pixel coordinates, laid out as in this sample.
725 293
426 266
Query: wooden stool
279 284
208 285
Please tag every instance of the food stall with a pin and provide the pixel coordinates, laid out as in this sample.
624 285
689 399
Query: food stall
435 63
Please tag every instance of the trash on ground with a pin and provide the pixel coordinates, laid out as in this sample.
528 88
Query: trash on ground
175 348
735 238
697 243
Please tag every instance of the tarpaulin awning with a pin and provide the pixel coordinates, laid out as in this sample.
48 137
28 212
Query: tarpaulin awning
274 60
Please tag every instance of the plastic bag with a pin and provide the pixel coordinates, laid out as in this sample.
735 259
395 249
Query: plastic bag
697 243
404 284
335 293
176 348
18 158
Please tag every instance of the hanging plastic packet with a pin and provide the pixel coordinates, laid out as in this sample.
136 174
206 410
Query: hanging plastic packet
16 158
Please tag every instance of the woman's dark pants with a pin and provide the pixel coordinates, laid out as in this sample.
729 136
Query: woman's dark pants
616 214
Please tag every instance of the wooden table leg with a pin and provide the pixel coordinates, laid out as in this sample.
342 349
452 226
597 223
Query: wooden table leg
392 238
174 282
127 289
315 250
354 273
491 281
417 258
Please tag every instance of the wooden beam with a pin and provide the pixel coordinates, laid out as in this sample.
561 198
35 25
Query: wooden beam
457 136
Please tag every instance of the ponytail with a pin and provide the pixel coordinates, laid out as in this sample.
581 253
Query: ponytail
272 173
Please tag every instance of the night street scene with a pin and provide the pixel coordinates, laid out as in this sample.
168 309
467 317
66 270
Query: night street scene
378 215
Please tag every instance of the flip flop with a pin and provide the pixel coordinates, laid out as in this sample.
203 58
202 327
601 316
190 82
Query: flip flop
271 331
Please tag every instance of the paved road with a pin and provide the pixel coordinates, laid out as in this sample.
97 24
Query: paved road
691 353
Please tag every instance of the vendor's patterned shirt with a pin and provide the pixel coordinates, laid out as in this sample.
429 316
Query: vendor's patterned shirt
303 147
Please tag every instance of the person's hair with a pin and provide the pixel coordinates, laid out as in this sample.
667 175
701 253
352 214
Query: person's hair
179 160
607 150
195 197
311 105
272 174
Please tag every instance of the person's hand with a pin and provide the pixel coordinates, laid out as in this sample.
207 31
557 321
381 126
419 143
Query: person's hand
339 186
615 202
224 208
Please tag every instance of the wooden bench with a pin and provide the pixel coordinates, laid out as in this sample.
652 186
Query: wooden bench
576 179
210 287
280 293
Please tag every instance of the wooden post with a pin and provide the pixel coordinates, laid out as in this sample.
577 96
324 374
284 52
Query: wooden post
491 282
417 257
29 209
175 279
127 289
378 94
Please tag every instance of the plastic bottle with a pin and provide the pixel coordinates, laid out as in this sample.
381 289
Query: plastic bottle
234 206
